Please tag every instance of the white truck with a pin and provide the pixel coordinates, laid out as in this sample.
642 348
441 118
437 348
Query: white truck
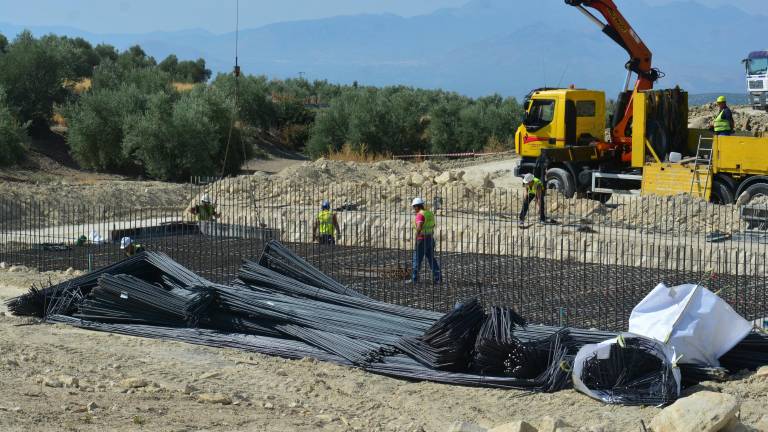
757 79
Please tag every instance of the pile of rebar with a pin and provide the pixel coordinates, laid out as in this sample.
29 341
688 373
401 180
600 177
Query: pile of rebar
283 306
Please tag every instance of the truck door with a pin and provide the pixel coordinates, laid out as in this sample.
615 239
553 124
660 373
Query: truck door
540 125
570 123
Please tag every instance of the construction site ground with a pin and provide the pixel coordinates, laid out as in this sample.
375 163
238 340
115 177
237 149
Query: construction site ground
139 384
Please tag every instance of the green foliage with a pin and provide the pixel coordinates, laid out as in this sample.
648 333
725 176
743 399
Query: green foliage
96 126
13 136
135 58
106 52
3 44
189 137
255 106
185 71
111 75
33 72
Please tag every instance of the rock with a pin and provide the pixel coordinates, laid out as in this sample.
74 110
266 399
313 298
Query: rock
12 363
133 383
460 426
417 179
762 425
444 178
213 374
702 412
550 424
69 381
214 398
515 426
762 373
3 265
18 269
52 382
91 407
735 426
269 406
327 418
189 389
487 182
281 372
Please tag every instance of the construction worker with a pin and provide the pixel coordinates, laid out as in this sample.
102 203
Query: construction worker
425 242
535 192
205 211
130 247
326 225
723 123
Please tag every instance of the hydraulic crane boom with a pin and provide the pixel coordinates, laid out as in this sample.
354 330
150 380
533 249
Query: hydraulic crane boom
640 62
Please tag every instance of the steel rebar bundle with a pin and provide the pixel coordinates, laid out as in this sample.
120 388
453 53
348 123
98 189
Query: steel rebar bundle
127 299
282 260
357 352
256 275
635 371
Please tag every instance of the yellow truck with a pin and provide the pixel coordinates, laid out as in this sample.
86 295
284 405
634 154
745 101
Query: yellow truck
666 159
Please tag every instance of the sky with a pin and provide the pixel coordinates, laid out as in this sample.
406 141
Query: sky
218 16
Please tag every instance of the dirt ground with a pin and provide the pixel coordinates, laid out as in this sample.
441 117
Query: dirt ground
57 378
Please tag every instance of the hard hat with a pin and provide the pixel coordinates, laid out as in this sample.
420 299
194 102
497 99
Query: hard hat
125 242
528 179
326 204
417 201
205 199
721 99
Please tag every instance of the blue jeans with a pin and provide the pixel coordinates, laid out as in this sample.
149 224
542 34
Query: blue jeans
425 248
724 133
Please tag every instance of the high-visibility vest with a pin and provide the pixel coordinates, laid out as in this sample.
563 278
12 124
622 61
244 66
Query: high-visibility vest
722 125
325 218
205 212
429 222
534 186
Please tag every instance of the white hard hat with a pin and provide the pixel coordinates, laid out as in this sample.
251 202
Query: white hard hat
125 242
205 199
417 201
527 179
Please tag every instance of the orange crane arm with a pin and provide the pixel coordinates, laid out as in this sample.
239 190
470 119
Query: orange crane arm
640 58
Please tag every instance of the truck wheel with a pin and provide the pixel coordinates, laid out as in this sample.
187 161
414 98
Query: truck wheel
721 193
561 180
756 190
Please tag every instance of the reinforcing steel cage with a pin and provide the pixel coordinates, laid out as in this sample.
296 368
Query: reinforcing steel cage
588 269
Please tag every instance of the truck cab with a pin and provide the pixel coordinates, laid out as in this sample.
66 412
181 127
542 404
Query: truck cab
757 79
560 118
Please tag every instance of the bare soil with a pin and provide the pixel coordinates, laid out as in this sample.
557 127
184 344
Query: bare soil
261 393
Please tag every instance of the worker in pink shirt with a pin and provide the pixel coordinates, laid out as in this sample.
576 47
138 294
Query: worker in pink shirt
425 242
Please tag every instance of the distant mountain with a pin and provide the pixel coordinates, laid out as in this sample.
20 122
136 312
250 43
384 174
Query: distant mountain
485 46
708 98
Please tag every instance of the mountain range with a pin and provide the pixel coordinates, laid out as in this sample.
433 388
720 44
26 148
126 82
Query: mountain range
486 46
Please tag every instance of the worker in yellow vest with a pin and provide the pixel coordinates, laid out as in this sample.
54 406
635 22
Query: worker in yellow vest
723 123
326 228
425 242
534 193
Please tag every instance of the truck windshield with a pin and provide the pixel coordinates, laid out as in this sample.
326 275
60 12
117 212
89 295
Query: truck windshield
541 114
757 66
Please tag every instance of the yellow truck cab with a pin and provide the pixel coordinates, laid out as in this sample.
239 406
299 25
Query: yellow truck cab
561 118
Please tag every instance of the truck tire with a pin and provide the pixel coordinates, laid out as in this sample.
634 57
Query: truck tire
560 180
756 190
721 193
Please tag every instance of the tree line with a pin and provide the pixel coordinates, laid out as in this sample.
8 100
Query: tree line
134 118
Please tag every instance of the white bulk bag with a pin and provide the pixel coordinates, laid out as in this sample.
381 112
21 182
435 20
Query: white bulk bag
696 322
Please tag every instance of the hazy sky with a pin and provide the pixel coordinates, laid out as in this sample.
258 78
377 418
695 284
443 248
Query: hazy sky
141 16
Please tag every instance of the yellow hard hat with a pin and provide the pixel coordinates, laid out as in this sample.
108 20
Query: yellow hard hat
721 99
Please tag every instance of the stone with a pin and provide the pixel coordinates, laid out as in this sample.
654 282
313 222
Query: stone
133 383
702 412
213 374
69 381
327 418
18 269
52 382
12 363
214 398
762 373
269 406
550 424
762 425
189 389
444 178
735 426
70 271
3 265
91 407
515 426
461 426
417 179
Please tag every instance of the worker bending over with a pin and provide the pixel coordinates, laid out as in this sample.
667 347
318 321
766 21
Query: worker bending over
723 123
535 192
425 242
130 247
326 225
205 211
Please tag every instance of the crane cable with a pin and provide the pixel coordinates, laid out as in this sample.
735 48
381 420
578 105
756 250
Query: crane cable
236 73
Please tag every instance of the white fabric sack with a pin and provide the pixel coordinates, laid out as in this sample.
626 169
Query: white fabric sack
95 237
696 322
602 350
